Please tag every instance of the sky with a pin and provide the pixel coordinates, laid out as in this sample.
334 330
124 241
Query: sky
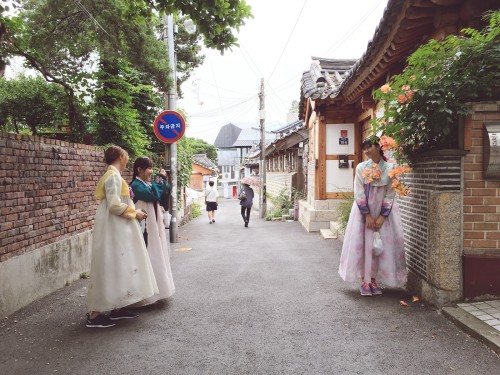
278 45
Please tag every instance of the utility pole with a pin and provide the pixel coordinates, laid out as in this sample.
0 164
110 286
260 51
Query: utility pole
262 167
171 103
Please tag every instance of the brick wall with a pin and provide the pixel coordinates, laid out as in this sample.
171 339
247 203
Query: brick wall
46 191
481 196
434 172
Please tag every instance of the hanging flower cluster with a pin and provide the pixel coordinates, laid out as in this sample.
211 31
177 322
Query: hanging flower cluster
372 174
398 172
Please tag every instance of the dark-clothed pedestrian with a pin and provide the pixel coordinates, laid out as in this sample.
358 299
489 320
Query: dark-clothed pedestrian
374 210
246 201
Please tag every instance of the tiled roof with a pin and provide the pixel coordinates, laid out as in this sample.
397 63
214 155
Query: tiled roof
286 137
203 161
324 77
228 134
288 128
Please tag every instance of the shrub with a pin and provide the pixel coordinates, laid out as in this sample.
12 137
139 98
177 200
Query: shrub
423 104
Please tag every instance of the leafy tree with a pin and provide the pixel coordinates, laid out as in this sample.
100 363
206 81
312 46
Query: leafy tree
199 146
185 163
215 20
118 121
31 104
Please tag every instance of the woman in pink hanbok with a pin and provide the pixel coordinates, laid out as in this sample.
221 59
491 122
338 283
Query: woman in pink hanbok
374 210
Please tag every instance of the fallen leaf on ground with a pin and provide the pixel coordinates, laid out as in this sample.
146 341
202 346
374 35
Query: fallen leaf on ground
403 303
415 299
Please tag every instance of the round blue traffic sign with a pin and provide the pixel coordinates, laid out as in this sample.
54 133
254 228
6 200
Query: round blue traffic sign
169 126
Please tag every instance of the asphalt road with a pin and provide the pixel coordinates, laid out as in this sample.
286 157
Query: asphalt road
260 300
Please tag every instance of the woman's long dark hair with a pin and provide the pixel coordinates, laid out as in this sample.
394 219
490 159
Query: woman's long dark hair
143 163
373 141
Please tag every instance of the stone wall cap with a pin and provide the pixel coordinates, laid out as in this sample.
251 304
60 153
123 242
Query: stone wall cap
444 152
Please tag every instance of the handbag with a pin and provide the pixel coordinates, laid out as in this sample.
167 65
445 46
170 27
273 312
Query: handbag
242 196
145 234
378 247
144 231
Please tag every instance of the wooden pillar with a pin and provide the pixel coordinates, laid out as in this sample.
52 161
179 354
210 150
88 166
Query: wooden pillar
321 170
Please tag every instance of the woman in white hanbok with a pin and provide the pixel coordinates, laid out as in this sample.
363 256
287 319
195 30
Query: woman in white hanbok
147 196
121 273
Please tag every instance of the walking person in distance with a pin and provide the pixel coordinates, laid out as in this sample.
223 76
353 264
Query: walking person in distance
211 198
246 201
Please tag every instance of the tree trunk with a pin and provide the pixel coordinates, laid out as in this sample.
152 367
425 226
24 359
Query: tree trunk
14 122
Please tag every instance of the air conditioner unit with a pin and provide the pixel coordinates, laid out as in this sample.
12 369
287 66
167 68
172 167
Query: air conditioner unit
226 175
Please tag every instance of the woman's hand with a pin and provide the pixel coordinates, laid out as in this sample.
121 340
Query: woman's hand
370 221
378 223
141 215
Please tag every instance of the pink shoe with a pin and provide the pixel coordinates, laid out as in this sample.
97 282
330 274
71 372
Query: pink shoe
365 290
376 291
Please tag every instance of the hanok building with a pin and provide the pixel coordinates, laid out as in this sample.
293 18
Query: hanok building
451 219
284 159
203 170
228 158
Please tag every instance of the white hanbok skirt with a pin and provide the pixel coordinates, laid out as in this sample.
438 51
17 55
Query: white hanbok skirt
121 273
159 253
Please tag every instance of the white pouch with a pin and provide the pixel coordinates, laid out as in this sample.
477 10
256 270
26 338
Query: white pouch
166 219
378 247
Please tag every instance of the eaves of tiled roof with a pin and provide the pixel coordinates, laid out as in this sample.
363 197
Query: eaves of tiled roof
405 25
203 161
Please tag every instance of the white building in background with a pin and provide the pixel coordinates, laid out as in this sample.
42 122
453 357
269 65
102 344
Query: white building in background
228 160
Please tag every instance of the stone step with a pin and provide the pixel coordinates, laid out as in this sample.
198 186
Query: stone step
327 234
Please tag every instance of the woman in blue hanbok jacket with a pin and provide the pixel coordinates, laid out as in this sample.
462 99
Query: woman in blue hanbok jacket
147 195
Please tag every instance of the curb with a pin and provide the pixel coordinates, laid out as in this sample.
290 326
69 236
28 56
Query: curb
474 327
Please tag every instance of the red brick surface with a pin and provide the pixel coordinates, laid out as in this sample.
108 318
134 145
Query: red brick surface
481 196
46 191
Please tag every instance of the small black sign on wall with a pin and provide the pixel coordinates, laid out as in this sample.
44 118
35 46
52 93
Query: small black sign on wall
343 141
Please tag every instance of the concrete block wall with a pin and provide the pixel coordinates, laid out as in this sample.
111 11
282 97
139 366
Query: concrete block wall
277 181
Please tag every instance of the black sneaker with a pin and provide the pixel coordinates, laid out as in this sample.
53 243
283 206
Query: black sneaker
246 223
100 321
122 314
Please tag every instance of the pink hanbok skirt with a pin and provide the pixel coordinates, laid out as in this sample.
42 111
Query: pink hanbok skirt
357 260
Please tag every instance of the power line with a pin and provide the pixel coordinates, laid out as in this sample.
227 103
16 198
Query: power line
217 87
89 15
213 112
349 32
286 44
